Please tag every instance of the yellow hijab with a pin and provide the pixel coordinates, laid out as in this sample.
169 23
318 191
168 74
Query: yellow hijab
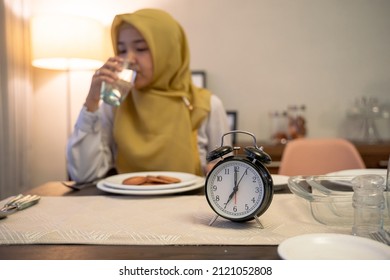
153 128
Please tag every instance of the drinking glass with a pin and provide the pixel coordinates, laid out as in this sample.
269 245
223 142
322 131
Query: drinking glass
368 202
114 94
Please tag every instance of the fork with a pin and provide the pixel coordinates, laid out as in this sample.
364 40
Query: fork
381 236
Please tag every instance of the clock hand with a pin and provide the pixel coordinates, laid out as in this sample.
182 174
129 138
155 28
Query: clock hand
235 183
242 177
235 176
235 189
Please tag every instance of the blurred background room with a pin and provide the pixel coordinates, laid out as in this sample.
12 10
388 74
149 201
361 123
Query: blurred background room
328 59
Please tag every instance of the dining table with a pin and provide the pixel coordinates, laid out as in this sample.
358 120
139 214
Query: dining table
232 241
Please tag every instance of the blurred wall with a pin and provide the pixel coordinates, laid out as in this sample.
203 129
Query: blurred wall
259 56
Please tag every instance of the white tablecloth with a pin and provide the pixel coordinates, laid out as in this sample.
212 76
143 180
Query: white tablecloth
166 220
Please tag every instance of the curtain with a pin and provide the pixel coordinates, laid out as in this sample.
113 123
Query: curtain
15 96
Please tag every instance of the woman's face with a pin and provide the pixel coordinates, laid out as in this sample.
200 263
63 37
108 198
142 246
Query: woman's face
132 46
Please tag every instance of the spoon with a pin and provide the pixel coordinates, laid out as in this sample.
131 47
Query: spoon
80 185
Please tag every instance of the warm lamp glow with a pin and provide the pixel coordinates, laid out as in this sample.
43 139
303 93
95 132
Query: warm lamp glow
67 42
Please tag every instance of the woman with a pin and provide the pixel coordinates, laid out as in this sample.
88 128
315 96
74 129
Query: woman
164 124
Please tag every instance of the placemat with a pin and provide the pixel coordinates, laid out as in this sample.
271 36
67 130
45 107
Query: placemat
165 220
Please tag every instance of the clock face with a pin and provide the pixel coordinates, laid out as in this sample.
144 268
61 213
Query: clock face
236 190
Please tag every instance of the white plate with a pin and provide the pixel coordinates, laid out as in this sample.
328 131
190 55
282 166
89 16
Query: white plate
357 172
279 181
115 181
330 246
147 191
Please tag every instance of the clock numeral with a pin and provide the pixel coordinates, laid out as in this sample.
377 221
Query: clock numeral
227 171
257 190
236 168
219 178
217 198
246 207
214 188
254 179
235 209
253 200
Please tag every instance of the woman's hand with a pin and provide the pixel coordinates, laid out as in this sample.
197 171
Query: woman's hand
106 73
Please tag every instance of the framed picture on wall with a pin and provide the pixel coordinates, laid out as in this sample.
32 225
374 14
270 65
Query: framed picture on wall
232 119
199 78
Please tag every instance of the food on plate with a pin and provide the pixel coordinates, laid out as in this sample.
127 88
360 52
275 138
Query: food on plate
135 180
150 180
171 180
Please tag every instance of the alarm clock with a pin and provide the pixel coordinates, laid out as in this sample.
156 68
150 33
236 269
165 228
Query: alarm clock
239 187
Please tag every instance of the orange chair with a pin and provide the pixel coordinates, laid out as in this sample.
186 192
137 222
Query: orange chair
309 156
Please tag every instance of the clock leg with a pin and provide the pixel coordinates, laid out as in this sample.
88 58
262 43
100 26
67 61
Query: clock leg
258 222
213 220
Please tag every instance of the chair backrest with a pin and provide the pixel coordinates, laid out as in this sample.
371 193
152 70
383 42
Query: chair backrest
310 156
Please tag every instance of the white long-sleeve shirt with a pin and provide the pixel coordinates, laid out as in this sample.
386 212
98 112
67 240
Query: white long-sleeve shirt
91 149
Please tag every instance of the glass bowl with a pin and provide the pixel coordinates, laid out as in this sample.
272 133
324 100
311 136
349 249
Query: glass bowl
330 197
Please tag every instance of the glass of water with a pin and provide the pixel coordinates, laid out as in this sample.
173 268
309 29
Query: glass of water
114 94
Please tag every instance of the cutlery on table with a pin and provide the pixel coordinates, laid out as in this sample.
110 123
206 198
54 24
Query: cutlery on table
18 203
80 185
